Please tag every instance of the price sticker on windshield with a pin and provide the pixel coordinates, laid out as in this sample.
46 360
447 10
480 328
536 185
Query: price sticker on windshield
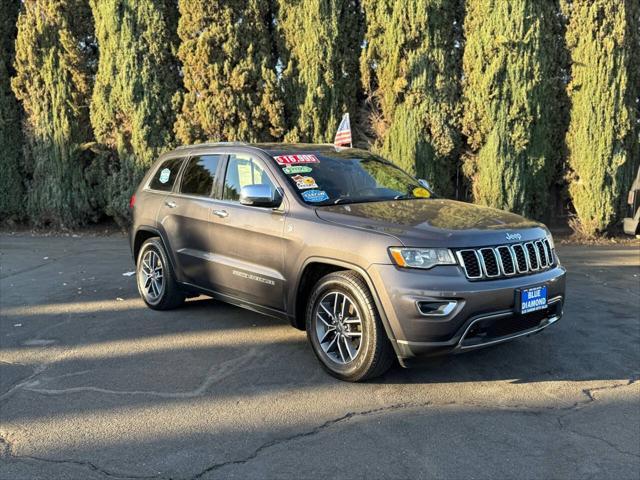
296 159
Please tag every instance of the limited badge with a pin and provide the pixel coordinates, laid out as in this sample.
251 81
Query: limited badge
295 159
303 182
297 169
315 195
420 192
164 175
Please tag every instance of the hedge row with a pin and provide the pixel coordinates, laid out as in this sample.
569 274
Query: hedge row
528 105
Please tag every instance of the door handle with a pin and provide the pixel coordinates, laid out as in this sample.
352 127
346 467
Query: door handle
171 204
221 213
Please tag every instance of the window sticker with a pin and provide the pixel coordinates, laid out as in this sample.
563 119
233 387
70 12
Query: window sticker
304 182
421 192
315 195
164 175
295 159
297 169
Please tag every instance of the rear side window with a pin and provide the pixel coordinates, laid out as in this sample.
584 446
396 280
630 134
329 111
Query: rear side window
200 175
166 175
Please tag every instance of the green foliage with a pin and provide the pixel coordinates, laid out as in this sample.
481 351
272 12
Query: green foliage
319 46
231 89
603 138
11 184
52 81
513 102
411 67
131 109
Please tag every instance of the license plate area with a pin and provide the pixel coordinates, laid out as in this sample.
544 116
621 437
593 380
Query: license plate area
531 299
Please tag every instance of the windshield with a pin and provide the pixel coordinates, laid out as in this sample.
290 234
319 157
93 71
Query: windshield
354 177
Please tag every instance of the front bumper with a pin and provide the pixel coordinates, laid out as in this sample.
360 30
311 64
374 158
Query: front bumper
484 312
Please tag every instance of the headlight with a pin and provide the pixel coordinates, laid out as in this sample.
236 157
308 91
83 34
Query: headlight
550 240
421 257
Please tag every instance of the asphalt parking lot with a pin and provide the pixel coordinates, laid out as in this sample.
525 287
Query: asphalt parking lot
95 385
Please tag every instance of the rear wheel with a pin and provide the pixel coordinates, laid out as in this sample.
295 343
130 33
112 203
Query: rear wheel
345 330
154 275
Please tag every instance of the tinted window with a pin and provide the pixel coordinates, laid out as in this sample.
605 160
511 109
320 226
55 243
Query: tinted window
243 170
165 176
348 177
199 176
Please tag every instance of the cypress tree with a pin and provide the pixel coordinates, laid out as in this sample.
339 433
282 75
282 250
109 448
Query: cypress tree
228 62
131 109
53 59
320 42
603 143
411 68
11 183
513 102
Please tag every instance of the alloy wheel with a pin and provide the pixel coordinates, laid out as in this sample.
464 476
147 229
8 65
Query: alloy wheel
151 276
338 326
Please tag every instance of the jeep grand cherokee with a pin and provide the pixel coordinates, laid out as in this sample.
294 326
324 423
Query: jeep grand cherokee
344 245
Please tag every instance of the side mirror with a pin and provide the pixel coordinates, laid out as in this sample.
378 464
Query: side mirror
260 195
425 184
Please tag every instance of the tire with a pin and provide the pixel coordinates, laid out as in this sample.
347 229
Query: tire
162 292
362 349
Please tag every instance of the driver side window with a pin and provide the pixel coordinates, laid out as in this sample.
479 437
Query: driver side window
243 170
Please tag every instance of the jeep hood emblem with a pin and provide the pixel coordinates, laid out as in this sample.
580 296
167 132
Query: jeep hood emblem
514 236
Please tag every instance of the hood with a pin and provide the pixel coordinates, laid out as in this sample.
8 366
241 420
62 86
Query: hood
435 222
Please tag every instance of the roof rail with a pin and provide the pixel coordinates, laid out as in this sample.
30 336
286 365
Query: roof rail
210 144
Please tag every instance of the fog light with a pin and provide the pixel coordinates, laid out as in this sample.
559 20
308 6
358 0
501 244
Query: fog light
437 308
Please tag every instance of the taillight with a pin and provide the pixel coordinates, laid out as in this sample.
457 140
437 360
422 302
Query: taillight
132 201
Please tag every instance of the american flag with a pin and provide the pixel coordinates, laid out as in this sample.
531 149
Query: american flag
343 135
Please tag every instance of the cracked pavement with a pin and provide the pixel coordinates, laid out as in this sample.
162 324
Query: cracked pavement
93 385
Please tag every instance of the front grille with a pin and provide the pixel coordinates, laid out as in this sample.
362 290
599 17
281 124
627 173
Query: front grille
506 260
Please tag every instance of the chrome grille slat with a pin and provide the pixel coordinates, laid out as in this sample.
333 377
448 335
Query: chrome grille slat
506 260
521 258
548 251
467 265
542 254
532 256
489 262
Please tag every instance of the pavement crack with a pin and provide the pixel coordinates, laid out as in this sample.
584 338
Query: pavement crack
588 392
8 452
308 433
595 437
216 373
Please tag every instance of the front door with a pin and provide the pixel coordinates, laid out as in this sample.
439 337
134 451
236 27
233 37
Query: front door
248 241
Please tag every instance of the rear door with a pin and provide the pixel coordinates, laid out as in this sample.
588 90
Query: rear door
186 218
248 241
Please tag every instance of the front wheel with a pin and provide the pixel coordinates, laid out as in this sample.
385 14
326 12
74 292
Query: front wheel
345 330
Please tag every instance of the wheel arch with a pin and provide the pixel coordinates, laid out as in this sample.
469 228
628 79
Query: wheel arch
315 268
142 235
